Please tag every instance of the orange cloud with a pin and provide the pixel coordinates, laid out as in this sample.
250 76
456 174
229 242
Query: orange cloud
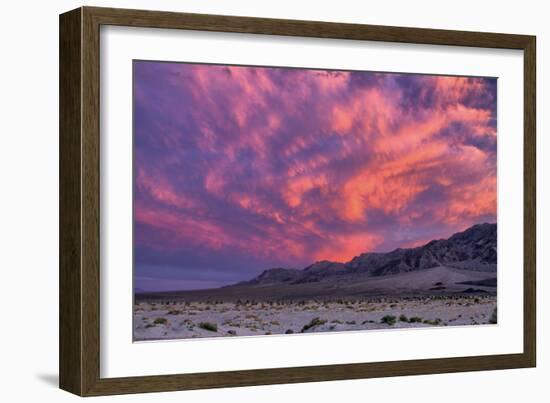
305 165
345 248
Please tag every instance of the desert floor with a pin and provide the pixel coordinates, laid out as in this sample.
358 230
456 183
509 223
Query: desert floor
182 320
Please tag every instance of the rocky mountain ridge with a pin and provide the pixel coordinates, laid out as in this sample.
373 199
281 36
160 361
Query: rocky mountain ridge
473 249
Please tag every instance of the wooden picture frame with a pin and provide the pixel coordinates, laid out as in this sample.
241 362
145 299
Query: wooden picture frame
79 346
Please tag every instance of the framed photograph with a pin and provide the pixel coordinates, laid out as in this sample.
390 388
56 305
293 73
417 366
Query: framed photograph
249 201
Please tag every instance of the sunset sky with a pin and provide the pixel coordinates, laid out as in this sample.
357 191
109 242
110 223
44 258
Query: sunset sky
242 169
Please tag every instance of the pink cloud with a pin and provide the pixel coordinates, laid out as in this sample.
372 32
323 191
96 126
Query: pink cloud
309 165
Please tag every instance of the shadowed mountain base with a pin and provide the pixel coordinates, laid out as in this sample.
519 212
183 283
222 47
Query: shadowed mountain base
463 264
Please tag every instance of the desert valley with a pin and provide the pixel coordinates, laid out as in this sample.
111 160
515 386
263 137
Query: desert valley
445 282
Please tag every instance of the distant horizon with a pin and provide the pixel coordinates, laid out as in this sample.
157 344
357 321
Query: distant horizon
238 168
141 290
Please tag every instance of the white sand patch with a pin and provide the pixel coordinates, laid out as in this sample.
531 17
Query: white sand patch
180 320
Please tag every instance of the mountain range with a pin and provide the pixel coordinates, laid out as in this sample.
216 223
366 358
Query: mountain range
473 249
465 263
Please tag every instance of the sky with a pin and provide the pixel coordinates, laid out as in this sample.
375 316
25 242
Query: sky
240 169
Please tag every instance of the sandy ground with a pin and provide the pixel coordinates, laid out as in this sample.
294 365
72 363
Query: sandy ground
435 281
182 320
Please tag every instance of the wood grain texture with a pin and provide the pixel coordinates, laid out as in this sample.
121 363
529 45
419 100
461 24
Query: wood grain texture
70 274
530 202
317 29
305 374
90 202
80 201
